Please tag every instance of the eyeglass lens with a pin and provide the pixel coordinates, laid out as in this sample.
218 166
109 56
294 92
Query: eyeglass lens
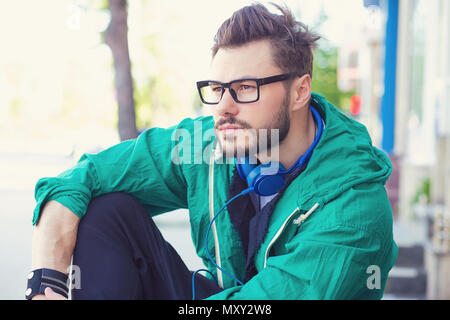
244 91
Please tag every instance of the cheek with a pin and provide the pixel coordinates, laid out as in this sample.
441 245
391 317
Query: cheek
263 114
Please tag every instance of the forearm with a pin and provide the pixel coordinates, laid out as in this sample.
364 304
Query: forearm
54 238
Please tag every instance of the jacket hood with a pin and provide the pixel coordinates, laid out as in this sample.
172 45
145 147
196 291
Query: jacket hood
343 158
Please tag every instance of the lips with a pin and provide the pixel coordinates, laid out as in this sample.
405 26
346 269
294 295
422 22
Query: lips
229 127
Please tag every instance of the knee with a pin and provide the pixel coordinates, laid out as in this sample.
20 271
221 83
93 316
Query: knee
110 207
113 200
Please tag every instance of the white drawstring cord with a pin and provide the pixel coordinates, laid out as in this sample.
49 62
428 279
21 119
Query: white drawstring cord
305 216
211 217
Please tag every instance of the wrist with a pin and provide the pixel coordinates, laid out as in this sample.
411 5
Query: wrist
39 279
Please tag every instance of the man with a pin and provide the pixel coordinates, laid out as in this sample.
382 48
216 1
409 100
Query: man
318 227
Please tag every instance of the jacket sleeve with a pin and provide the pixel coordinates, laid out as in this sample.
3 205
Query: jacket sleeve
332 263
141 167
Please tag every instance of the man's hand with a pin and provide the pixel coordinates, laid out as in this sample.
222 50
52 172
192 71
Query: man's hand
49 295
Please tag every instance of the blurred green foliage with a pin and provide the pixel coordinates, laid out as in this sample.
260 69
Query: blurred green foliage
99 4
14 108
325 78
150 95
152 91
325 74
423 193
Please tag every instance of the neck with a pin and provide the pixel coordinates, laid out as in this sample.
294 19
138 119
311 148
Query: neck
299 138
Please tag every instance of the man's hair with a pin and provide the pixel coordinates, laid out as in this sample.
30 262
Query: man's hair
292 43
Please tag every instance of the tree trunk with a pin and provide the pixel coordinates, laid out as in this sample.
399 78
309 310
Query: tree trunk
116 38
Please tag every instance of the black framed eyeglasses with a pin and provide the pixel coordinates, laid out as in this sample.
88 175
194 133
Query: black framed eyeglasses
242 90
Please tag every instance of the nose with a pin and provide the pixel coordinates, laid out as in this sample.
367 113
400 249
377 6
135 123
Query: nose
227 106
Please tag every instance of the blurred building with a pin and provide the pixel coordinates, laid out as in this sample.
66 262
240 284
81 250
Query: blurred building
422 130
422 108
401 72
412 109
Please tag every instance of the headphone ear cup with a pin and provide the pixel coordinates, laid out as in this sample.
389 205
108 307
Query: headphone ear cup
244 170
267 179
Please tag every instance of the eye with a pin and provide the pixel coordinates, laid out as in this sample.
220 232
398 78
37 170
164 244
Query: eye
217 89
246 87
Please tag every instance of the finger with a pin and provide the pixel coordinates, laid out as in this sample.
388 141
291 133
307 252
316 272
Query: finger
52 295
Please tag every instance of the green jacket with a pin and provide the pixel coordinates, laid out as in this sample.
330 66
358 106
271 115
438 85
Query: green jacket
344 249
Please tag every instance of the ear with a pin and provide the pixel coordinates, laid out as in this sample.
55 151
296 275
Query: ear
301 92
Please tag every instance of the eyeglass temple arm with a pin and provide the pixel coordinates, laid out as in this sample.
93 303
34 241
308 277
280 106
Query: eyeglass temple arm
276 78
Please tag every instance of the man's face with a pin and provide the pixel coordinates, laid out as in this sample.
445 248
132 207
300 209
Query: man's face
238 125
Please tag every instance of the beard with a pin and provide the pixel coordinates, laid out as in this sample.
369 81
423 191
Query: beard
249 142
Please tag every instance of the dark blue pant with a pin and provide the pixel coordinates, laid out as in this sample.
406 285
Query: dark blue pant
122 255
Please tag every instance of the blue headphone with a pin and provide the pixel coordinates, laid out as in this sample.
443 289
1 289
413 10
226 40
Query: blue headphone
269 178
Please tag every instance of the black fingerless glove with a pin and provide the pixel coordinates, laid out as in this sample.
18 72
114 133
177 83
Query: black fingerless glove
40 279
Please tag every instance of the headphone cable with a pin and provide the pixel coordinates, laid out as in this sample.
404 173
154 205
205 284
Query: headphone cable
248 190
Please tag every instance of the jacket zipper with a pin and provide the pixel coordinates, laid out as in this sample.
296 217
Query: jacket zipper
280 231
277 235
